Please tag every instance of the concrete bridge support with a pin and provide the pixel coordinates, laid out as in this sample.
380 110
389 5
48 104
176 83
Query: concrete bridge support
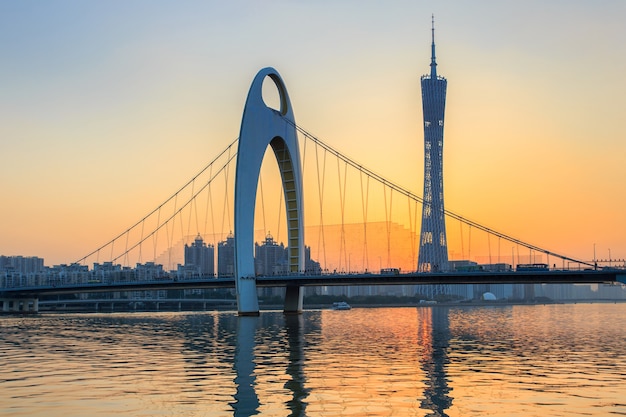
262 126
293 299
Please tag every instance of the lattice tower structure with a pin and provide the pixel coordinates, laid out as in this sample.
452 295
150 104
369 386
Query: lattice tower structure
433 250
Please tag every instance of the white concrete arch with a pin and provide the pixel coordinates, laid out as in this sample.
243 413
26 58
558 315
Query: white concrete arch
262 126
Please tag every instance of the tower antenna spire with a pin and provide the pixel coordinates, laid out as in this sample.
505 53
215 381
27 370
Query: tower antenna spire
433 61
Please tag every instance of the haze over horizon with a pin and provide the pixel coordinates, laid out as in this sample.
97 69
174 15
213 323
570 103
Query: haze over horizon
108 108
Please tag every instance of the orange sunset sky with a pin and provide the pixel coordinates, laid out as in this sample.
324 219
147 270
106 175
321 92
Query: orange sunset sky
107 108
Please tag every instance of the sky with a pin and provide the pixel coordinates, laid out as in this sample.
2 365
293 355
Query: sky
106 108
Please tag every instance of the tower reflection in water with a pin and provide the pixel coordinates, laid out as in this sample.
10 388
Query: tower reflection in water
263 342
246 400
294 324
433 338
290 343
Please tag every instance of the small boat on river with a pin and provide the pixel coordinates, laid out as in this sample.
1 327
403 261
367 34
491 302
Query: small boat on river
341 305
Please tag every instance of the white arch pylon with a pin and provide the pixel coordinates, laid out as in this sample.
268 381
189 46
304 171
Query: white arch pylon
262 126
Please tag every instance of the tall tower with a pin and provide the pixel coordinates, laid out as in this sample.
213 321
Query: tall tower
433 254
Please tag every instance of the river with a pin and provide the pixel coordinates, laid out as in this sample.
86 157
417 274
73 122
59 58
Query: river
536 360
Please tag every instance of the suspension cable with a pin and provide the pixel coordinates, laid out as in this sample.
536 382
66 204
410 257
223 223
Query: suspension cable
342 204
181 208
160 205
413 196
320 190
365 204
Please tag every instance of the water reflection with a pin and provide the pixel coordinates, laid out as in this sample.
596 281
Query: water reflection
434 336
246 400
255 365
294 325
528 360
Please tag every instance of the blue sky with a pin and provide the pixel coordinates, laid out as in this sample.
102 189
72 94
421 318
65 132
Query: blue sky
107 103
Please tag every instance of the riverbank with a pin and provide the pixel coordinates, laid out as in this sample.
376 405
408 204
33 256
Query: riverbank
230 305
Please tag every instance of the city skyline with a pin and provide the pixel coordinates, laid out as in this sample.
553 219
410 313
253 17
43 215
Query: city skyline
109 108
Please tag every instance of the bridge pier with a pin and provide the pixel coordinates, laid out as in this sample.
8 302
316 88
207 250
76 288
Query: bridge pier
293 299
20 305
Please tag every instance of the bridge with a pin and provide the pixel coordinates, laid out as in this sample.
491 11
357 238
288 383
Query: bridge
25 298
304 280
264 127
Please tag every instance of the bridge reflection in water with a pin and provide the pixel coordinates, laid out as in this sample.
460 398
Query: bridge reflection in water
430 349
417 361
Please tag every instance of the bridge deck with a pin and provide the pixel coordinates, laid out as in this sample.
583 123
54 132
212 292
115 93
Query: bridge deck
534 277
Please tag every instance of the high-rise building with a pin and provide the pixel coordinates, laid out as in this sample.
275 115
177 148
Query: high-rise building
21 264
270 258
200 257
433 250
310 266
226 257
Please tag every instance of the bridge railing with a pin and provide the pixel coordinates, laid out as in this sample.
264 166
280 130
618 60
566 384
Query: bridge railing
15 281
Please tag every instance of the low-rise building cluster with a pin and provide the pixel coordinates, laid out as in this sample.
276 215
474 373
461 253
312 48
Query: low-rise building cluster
271 259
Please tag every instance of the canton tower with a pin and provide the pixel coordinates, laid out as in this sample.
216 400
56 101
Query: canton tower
433 253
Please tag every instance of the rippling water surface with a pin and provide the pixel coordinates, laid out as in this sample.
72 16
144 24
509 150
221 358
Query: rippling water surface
554 360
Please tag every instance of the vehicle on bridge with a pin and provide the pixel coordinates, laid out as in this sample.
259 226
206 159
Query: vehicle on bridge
390 271
532 267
